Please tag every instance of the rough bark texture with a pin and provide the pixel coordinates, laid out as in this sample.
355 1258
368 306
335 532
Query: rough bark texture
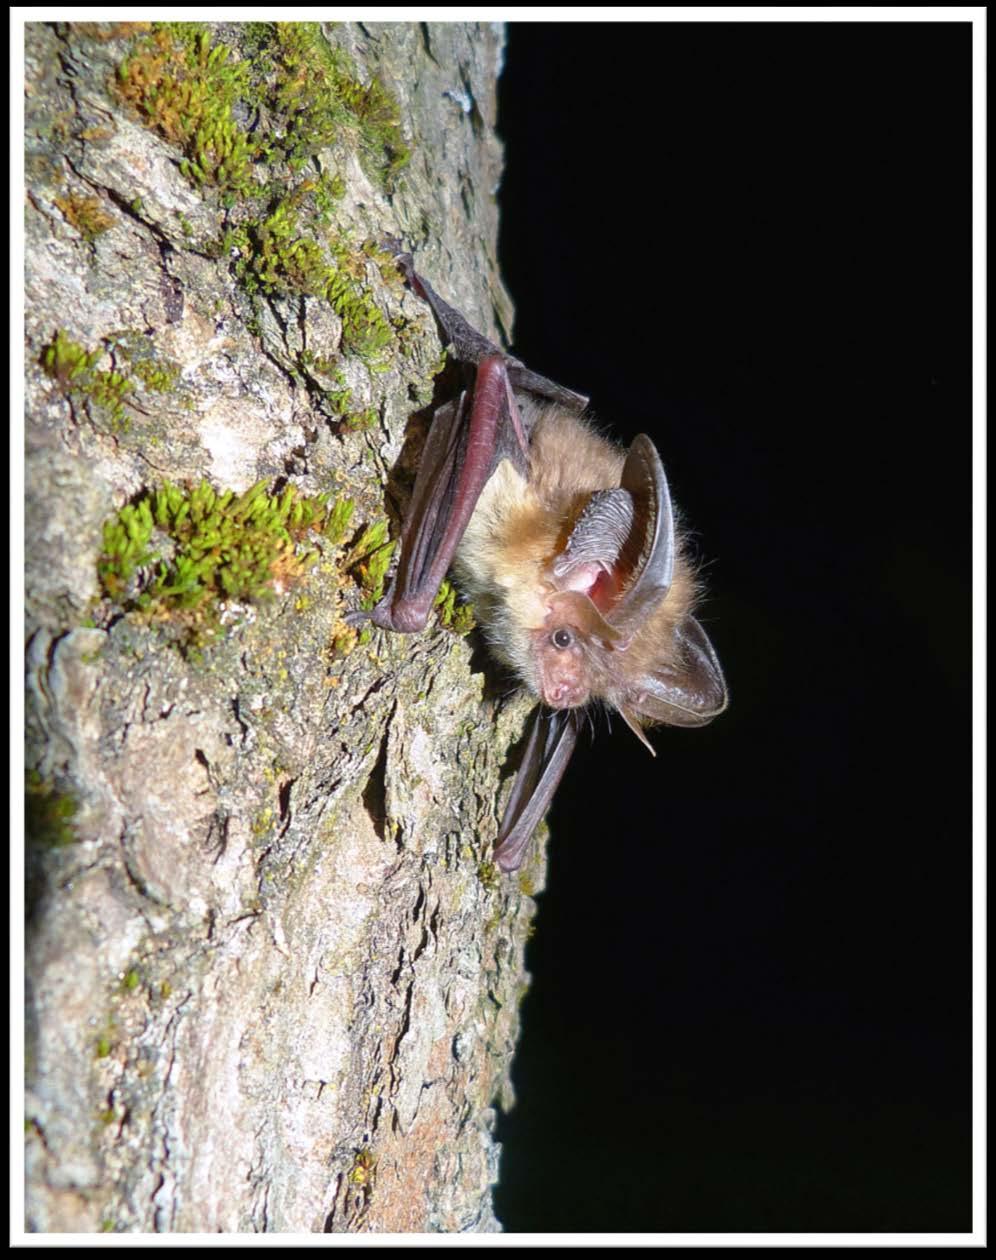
272 979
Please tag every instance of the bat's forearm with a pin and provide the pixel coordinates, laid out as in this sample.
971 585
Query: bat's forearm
463 447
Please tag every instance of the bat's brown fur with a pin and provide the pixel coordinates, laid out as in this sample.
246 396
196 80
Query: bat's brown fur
519 527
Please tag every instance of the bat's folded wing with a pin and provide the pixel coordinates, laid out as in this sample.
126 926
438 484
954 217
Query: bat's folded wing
551 742
467 437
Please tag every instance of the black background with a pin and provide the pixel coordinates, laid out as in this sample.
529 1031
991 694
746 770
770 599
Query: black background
750 1006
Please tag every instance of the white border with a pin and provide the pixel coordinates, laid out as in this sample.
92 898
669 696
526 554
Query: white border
977 17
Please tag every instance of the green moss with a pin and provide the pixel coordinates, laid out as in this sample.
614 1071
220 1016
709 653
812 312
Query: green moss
185 34
318 98
75 371
48 815
126 547
489 876
67 362
453 616
178 554
325 365
158 377
337 524
85 214
186 89
109 390
370 558
148 370
386 263
328 191
360 421
307 93
304 96
278 258
339 400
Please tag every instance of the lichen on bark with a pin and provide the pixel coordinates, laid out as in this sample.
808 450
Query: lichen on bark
272 978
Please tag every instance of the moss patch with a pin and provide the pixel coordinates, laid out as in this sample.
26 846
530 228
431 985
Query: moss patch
318 94
458 617
370 559
278 257
360 421
306 94
251 118
75 371
186 90
178 554
48 815
86 214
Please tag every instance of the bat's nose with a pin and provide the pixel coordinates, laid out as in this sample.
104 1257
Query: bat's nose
564 694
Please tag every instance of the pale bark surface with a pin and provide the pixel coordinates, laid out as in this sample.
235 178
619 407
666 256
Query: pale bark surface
272 983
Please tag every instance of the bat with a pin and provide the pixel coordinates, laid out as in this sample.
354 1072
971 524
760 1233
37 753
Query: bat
568 549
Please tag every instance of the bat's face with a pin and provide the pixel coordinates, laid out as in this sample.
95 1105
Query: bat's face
567 646
562 666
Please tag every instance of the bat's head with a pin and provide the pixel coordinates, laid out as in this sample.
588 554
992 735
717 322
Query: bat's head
619 626
572 649
661 669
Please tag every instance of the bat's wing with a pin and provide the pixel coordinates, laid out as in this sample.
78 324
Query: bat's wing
469 346
469 437
551 742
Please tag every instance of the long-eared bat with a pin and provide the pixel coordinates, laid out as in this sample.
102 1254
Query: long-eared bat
567 547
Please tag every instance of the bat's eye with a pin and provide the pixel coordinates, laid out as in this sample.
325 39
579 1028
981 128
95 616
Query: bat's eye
561 639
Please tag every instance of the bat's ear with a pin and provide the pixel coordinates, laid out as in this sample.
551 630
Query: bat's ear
651 545
691 692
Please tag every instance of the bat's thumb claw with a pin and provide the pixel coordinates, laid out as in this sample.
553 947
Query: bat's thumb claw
402 256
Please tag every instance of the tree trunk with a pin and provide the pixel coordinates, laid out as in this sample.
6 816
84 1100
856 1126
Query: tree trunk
272 976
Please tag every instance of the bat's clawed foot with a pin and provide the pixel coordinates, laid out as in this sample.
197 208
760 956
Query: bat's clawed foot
404 616
402 255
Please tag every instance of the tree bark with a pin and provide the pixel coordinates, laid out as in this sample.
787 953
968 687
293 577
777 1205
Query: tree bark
272 979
